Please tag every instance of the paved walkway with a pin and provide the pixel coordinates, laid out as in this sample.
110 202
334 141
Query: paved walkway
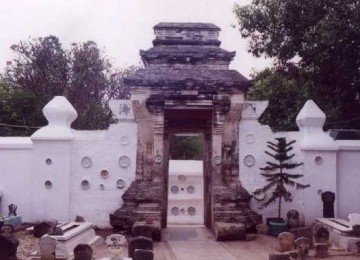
198 243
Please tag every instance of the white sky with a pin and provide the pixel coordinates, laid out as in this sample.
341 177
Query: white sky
121 27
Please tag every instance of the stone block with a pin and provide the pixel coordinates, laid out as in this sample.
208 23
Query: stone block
262 229
302 247
321 234
139 243
303 232
286 241
47 248
83 252
141 228
279 256
229 231
321 250
42 228
8 246
143 254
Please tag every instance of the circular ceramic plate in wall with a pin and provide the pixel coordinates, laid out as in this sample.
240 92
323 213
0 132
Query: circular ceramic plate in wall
85 185
175 211
249 160
124 161
104 174
174 189
191 211
125 140
217 160
319 160
120 184
259 194
48 184
190 189
250 138
86 162
158 158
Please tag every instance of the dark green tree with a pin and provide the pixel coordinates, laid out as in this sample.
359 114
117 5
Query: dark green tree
277 174
43 69
186 147
318 37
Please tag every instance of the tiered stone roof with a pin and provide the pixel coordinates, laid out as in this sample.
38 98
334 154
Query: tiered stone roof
187 55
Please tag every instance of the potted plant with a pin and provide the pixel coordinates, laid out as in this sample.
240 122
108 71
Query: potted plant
278 178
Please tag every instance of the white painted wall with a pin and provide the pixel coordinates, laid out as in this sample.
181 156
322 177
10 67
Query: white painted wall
16 161
348 178
23 167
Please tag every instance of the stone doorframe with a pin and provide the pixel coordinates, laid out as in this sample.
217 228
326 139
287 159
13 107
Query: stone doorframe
218 120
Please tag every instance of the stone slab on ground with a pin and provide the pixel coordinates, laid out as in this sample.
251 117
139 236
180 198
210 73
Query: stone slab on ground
229 231
141 228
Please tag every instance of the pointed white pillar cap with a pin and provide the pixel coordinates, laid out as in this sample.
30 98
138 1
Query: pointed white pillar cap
310 121
60 114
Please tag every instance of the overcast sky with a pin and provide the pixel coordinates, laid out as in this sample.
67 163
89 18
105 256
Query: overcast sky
121 27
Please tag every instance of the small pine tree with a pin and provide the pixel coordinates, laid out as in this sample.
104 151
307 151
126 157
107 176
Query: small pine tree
276 175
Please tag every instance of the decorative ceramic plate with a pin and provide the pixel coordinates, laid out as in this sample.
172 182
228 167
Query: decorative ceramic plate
182 177
86 162
125 140
191 211
120 184
48 184
158 158
175 211
174 189
104 174
249 160
124 161
190 189
250 139
85 185
319 160
259 195
217 160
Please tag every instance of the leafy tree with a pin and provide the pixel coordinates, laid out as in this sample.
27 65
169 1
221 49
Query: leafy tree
83 74
20 111
320 38
276 175
186 148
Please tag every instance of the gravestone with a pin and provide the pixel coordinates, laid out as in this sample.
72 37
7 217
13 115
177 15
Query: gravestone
47 248
8 246
144 254
12 210
328 199
303 232
42 228
286 241
321 250
279 256
321 234
139 243
142 230
293 218
302 247
115 243
83 252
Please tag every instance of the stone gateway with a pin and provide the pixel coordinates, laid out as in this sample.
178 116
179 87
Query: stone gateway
187 86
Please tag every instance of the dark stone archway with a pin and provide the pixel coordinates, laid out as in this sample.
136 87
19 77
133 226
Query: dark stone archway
186 86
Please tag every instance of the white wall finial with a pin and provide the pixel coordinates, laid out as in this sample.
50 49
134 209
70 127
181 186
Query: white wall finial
310 121
60 114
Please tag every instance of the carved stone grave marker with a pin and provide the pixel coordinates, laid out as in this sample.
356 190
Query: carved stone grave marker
116 243
139 243
286 241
